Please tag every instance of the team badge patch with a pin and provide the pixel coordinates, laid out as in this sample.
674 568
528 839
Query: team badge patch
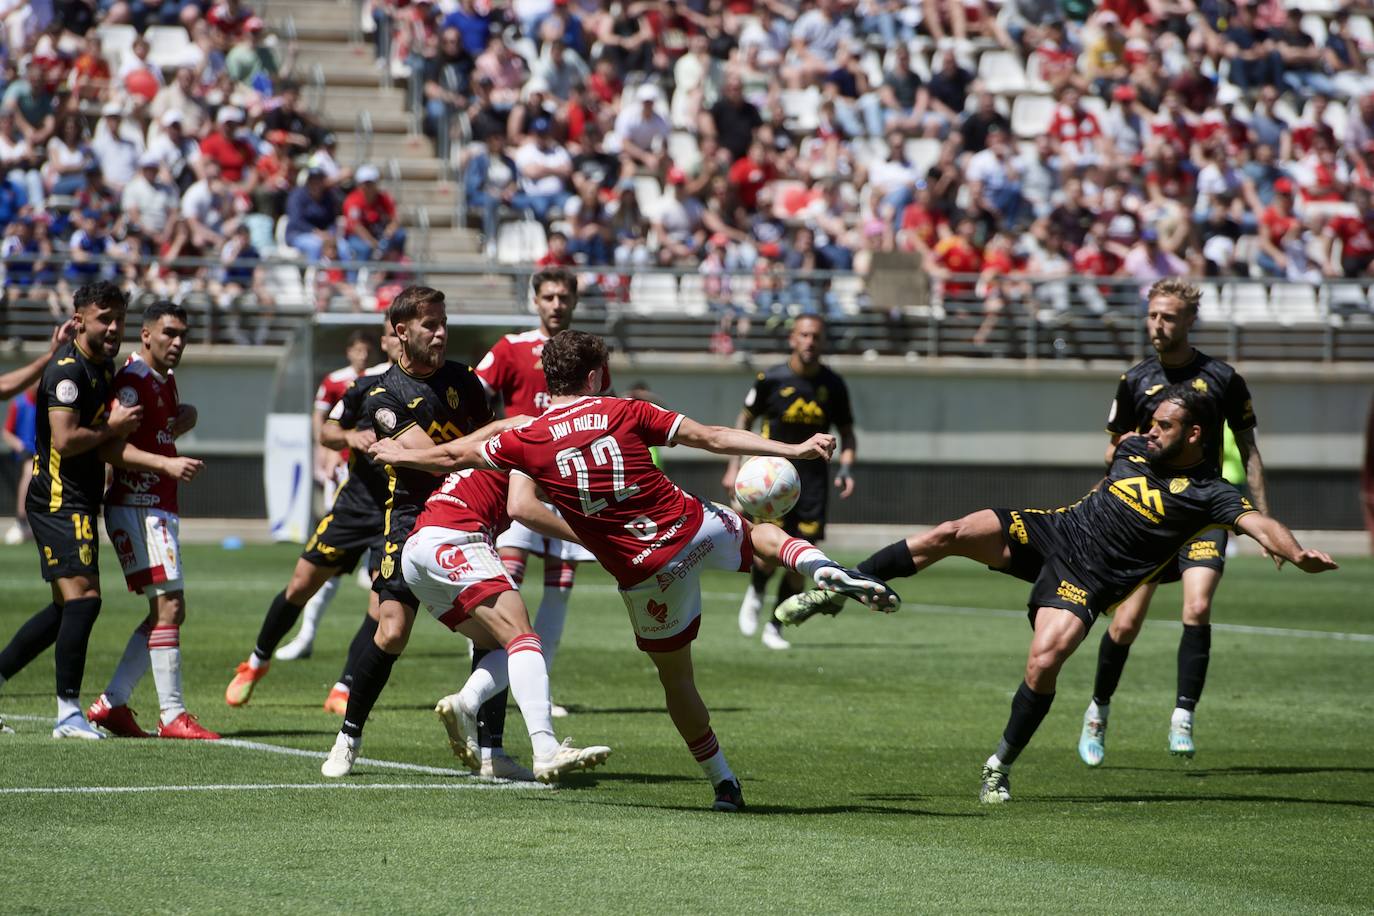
388 567
67 391
129 397
452 397
84 554
1178 485
386 419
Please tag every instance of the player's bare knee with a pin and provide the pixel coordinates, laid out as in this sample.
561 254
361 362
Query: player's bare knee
392 634
1125 626
169 610
1197 612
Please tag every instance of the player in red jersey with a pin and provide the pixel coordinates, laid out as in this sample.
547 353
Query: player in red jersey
142 522
331 473
590 455
513 372
451 565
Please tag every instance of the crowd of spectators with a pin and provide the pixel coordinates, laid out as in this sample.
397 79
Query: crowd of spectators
170 173
1128 138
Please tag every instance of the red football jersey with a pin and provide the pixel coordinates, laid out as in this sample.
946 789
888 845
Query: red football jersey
591 457
468 501
333 386
137 383
513 368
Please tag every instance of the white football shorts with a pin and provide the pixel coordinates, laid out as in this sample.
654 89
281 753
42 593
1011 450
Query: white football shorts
518 536
147 542
451 572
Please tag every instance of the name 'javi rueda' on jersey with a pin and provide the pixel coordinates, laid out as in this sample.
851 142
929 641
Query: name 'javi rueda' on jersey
591 458
1142 388
1137 520
367 486
446 404
468 500
139 384
71 381
513 369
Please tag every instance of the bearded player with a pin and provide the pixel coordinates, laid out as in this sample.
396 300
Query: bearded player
590 455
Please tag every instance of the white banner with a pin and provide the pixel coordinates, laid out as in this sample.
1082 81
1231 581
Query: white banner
288 477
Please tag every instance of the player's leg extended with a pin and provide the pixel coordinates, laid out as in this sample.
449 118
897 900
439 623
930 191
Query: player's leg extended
1112 653
80 607
306 579
1057 633
337 701
801 556
503 616
693 721
369 678
36 635
977 536
1194 651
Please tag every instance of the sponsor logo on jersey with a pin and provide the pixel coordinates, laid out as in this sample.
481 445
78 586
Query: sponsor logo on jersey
67 391
643 528
1200 384
129 397
1178 485
123 545
1203 550
681 568
1137 493
805 413
1074 594
667 536
1017 529
656 610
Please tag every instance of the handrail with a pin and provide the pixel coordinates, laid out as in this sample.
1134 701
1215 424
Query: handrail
362 136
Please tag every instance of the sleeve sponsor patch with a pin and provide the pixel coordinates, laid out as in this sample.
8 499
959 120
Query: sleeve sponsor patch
67 392
128 396
386 419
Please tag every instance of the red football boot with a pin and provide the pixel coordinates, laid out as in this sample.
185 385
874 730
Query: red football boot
186 726
117 720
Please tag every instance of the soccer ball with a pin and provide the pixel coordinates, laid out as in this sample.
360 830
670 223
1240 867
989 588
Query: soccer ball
767 487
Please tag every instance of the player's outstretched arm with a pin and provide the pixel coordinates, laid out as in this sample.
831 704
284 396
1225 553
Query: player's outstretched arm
15 381
131 458
523 505
724 440
1275 537
414 449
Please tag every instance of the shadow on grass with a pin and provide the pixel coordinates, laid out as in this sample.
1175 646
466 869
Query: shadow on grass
1276 771
1147 798
762 810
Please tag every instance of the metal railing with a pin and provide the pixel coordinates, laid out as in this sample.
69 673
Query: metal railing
741 313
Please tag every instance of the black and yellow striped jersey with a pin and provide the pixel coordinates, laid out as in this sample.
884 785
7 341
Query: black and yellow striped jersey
447 404
76 382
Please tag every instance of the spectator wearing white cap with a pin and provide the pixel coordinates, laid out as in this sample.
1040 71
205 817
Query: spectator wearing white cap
150 203
176 150
117 145
180 95
227 146
641 133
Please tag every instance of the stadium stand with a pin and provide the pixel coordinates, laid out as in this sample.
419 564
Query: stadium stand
783 156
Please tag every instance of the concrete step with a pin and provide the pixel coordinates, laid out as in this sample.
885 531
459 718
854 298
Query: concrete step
341 69
317 48
384 146
391 119
355 98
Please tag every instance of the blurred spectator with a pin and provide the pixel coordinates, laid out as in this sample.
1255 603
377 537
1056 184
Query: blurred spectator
474 26
312 216
19 163
150 204
372 226
227 146
64 173
253 63
1255 60
178 153
33 102
446 79
491 184
641 132
286 122
545 168
1148 262
181 96
205 208
241 281
117 146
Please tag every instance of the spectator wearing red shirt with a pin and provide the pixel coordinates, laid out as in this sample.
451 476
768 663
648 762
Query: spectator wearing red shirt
957 254
749 174
557 255
923 222
1278 228
372 228
223 146
1077 135
996 285
1356 235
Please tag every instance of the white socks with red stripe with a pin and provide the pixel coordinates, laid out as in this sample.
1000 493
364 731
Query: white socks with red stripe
529 682
164 649
553 608
803 556
515 569
133 664
711 758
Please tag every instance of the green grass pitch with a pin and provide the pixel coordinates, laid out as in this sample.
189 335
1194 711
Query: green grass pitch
859 751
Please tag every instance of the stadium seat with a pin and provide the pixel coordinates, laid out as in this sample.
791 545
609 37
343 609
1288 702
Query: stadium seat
847 290
1210 309
1336 117
1326 7
1284 111
683 151
653 294
521 242
1002 73
647 194
691 295
170 46
1295 303
1034 81
801 108
282 249
1315 26
1031 115
1361 30
1097 107
1250 303
922 152
260 232
284 282
115 42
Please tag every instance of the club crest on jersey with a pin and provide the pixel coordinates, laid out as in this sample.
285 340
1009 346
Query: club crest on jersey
1178 485
452 397
67 391
654 609
451 558
128 396
1200 384
85 554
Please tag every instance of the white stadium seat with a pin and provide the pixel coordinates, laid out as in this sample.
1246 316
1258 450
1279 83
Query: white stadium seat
1295 303
1002 73
653 294
1250 303
170 46
115 42
521 242
922 152
1210 309
1031 115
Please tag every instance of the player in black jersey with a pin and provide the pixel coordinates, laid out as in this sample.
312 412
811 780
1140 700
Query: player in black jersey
80 428
353 528
421 401
796 400
1160 492
1172 309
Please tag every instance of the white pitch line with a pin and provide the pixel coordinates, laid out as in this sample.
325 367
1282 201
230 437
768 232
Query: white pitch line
249 787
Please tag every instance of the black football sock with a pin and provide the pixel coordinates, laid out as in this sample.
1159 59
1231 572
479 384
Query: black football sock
1028 710
1111 661
1194 651
37 633
367 631
491 715
369 677
281 617
73 636
891 562
758 578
